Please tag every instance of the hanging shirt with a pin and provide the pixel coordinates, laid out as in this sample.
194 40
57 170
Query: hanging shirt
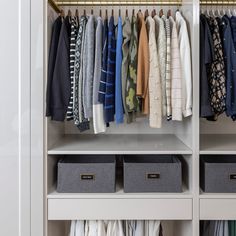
119 111
208 228
115 228
168 64
79 228
78 109
140 228
101 228
217 79
56 29
89 60
176 74
230 64
103 79
154 227
110 80
206 58
232 228
143 65
98 116
61 76
161 52
154 81
130 226
131 100
233 29
72 228
73 35
125 62
186 66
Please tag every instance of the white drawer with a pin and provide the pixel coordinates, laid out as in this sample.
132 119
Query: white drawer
163 209
217 209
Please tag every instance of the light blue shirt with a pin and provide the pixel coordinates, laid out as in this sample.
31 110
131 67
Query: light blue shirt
119 109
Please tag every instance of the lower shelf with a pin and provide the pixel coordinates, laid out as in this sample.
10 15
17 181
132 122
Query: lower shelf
114 209
218 209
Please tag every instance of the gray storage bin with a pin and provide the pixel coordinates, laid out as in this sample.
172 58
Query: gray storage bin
152 173
218 174
86 174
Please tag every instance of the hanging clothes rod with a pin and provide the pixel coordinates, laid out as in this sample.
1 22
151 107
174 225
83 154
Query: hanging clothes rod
117 2
218 3
54 6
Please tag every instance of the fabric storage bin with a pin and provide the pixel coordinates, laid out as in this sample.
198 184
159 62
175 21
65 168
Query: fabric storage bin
152 173
86 174
218 174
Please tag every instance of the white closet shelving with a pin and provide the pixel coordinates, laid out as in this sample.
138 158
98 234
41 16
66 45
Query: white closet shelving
180 212
217 138
176 210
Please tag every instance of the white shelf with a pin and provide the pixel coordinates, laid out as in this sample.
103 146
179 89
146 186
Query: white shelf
217 144
119 144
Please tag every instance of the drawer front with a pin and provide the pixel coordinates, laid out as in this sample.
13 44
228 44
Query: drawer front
218 209
112 209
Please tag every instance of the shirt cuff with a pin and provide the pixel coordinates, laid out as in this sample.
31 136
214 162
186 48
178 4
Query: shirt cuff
187 112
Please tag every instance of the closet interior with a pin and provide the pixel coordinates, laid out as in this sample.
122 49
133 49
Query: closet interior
179 212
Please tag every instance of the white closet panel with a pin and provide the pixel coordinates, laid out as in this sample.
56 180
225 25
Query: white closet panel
218 209
113 209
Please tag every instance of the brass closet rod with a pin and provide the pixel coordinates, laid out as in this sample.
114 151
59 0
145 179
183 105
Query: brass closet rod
56 4
218 2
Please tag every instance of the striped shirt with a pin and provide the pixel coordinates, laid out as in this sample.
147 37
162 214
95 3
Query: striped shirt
176 74
103 79
69 113
168 61
110 80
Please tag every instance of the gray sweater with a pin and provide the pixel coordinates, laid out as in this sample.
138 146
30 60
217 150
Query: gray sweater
89 65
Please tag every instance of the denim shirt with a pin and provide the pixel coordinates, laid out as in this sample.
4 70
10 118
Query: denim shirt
230 63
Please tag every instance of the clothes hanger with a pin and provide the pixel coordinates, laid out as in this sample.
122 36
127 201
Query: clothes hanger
207 11
161 13
100 10
119 11
169 13
217 11
146 11
178 6
92 9
62 14
77 14
85 8
222 9
153 11
126 11
212 11
69 14
228 10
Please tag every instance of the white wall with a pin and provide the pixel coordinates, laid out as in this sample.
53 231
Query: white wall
15 118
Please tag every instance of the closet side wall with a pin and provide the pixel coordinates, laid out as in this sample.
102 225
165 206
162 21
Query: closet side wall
37 20
15 118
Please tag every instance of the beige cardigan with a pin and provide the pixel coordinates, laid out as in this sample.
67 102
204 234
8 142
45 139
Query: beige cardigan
143 65
155 94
